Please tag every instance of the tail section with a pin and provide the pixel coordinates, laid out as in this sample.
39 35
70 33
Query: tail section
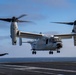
20 41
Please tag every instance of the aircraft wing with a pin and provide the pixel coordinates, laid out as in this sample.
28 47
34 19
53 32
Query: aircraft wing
65 36
30 35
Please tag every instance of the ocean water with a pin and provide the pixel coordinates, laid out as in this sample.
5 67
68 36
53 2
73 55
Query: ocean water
40 59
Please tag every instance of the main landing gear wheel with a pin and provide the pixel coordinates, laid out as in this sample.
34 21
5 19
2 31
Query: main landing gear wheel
50 52
33 52
58 51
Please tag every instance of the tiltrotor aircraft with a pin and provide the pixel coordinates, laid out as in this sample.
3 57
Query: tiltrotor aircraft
40 42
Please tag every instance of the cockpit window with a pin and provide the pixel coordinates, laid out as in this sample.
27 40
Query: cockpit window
57 39
52 39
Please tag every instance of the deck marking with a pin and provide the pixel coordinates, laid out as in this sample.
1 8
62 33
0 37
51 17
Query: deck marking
39 68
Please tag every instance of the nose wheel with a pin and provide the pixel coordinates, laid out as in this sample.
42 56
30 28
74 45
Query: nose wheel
58 51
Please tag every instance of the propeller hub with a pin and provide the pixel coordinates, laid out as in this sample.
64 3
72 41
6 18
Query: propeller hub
14 19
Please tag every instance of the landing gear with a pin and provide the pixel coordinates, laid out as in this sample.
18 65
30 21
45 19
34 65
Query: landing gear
33 52
50 52
58 51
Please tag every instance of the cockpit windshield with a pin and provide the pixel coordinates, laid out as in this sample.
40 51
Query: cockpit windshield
57 39
54 39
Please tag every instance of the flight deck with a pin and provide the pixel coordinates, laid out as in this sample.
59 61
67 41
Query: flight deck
38 68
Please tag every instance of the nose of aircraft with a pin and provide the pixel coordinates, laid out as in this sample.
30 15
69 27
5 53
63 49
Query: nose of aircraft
59 45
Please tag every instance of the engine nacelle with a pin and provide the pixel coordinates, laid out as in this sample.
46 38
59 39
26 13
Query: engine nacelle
13 31
20 41
14 39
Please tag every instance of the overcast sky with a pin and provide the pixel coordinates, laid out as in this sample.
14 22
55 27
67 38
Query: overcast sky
41 12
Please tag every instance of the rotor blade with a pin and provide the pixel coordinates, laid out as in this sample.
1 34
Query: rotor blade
3 54
25 21
6 19
69 23
22 16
